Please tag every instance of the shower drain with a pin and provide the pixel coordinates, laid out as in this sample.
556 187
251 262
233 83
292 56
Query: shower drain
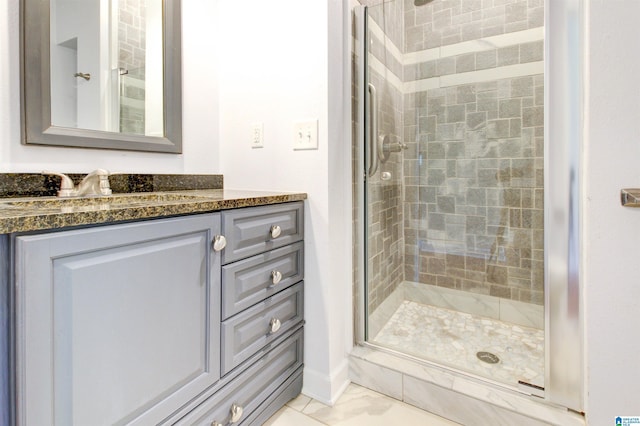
488 357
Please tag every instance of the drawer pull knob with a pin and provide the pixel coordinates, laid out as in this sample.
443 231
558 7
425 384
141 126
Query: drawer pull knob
275 231
276 277
236 413
274 325
216 423
219 242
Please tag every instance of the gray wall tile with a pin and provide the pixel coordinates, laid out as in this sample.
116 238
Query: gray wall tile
464 206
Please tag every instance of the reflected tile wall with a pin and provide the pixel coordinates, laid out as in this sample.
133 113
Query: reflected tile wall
445 22
132 57
474 188
385 239
389 15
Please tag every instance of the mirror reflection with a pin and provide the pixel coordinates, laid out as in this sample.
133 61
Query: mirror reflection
107 65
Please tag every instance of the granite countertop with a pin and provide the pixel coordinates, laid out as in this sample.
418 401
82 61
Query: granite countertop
40 213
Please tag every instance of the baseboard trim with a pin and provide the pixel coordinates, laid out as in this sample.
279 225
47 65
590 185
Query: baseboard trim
326 388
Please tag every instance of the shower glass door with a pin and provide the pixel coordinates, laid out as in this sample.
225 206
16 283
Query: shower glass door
454 175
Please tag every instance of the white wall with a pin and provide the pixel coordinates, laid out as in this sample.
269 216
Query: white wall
200 110
611 232
282 62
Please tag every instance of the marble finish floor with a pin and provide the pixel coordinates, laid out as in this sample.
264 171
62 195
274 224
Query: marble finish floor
357 406
453 338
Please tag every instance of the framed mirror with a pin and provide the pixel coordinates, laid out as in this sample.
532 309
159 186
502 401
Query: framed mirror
102 74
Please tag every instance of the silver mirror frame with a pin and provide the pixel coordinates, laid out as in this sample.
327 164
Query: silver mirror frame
35 81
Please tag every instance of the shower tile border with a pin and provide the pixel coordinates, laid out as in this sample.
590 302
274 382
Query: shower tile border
451 50
493 42
453 395
380 68
457 300
491 74
507 310
458 79
455 50
511 311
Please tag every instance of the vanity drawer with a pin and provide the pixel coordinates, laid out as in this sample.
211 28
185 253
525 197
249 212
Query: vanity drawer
246 333
259 229
247 282
254 386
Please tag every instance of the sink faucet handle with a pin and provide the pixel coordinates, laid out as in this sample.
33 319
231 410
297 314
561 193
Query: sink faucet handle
103 175
67 188
105 188
95 183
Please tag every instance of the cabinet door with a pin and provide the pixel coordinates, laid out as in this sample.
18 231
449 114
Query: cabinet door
117 324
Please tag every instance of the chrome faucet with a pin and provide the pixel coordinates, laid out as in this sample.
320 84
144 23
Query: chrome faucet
95 183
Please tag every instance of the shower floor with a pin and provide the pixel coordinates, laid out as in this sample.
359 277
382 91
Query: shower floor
453 338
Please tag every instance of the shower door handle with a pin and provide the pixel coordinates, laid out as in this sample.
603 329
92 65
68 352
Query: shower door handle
372 115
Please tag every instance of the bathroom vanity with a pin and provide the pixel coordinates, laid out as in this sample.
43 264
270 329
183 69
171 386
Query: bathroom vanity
173 308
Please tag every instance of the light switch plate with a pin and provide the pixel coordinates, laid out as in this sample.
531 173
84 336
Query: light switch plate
305 135
257 135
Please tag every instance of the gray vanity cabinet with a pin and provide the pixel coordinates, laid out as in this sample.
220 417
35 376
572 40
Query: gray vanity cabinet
262 318
116 324
156 322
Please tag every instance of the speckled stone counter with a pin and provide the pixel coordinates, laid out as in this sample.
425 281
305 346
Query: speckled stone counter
41 213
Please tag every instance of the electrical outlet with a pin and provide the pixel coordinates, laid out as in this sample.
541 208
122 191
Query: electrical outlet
257 135
305 135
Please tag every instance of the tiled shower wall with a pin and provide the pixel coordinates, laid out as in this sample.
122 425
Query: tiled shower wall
474 173
470 186
445 22
474 196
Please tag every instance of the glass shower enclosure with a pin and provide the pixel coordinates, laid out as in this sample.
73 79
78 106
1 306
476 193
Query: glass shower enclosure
453 175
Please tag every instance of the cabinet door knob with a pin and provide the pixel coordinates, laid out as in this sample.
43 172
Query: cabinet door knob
275 231
219 242
236 413
276 277
274 325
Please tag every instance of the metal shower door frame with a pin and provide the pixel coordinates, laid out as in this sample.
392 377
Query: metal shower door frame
564 322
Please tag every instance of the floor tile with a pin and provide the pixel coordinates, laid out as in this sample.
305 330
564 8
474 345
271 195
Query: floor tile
357 406
361 406
287 416
299 403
